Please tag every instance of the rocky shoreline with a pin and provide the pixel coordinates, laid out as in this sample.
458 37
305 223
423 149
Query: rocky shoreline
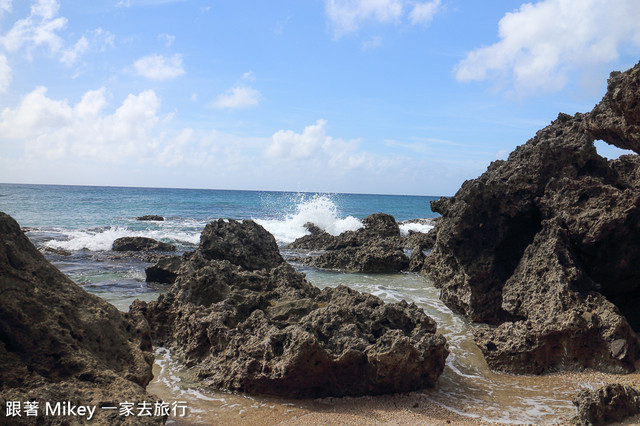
542 250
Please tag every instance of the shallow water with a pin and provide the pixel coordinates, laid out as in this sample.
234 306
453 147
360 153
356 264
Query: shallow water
466 386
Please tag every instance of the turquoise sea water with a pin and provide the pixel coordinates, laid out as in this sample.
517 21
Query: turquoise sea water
75 226
73 207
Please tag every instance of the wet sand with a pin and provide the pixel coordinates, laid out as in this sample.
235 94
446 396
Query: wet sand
210 407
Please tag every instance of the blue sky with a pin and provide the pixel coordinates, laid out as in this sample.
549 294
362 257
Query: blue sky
367 96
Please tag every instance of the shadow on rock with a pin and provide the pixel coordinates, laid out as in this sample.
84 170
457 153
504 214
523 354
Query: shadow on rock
245 320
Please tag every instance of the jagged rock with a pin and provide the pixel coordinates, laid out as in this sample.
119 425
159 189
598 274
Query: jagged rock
381 225
59 252
610 403
375 248
378 256
243 244
420 244
267 330
544 246
616 119
318 239
141 244
60 343
165 270
151 217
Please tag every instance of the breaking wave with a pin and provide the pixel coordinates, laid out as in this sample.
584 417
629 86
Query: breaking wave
320 210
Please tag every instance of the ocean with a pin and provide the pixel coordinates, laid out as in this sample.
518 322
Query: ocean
75 226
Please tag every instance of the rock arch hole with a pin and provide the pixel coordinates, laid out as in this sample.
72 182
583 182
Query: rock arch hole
610 152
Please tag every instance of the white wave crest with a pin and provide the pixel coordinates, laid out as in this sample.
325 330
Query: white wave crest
319 210
415 227
102 239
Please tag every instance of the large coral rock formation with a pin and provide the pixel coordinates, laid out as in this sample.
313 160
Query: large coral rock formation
377 247
545 246
245 320
59 343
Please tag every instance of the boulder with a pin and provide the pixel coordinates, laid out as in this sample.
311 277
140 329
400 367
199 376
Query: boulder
245 320
378 256
165 270
317 239
141 244
375 248
611 403
60 343
544 246
242 243
151 217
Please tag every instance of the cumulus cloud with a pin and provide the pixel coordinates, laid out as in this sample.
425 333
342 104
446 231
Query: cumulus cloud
42 28
347 16
5 74
240 96
158 67
37 29
55 129
423 13
314 147
542 43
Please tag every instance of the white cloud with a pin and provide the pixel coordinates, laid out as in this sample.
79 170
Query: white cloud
423 13
70 56
158 67
5 73
237 97
42 28
5 6
168 39
542 43
348 16
39 28
313 148
55 129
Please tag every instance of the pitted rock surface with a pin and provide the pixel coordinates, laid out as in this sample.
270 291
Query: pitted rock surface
267 330
545 246
60 343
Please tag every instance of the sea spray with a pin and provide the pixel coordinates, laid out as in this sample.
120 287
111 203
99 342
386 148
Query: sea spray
424 226
318 209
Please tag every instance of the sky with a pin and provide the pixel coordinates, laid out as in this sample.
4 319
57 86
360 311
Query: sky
356 96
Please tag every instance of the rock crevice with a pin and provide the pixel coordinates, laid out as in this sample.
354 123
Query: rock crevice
245 320
544 246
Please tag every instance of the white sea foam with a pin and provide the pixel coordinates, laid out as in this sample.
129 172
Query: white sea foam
415 227
319 210
102 239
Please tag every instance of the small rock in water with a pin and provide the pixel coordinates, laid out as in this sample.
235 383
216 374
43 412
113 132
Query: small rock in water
141 244
151 217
